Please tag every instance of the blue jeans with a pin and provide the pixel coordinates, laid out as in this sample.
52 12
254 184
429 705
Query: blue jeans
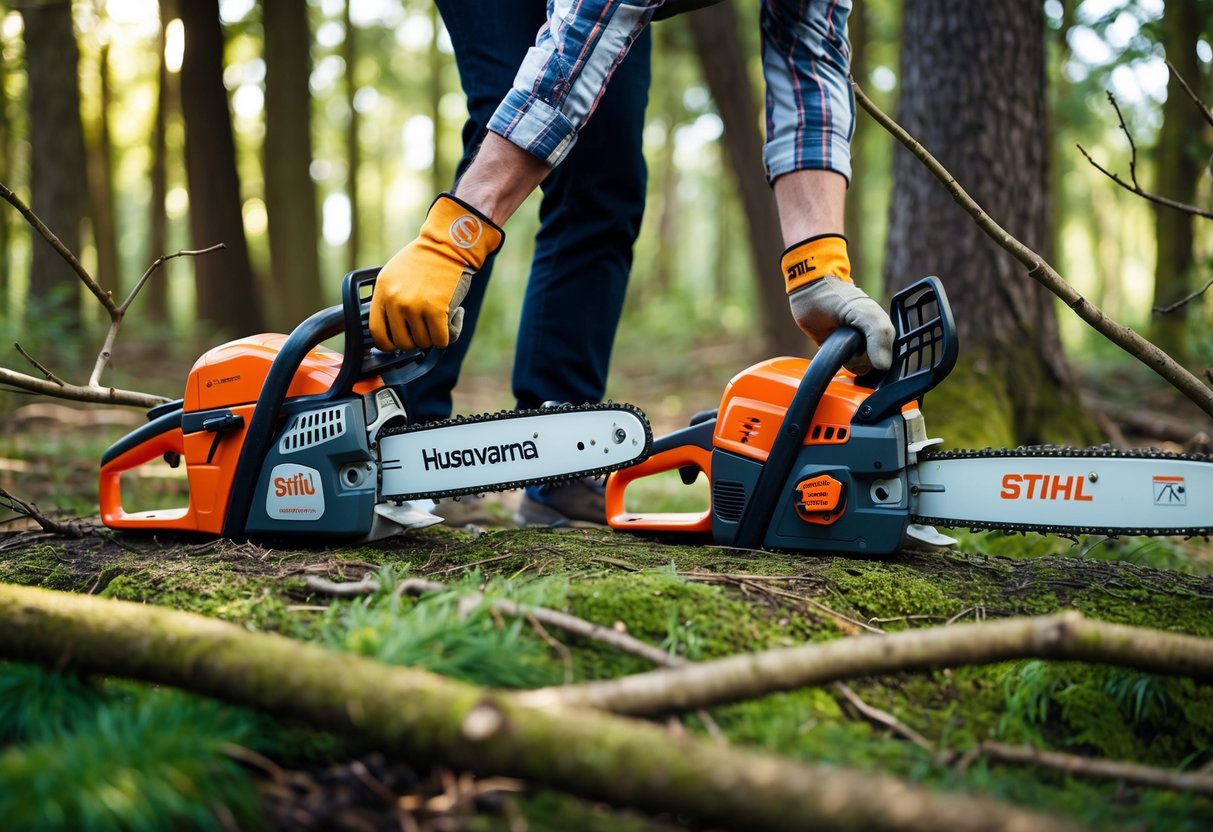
589 218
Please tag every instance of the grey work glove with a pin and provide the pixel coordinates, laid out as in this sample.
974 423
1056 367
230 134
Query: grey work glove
823 305
817 275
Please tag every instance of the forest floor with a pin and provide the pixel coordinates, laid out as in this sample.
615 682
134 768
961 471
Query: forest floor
695 601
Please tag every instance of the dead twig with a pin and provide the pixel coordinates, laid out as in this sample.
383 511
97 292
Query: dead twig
1040 271
1183 301
39 366
553 618
880 717
1067 636
93 391
1100 769
30 510
1200 105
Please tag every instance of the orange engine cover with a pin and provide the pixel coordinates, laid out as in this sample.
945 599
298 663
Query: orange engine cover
232 374
756 400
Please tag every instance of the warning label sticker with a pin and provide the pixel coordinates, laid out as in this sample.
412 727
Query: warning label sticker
1170 491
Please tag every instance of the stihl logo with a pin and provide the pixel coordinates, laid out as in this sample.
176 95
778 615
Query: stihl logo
297 486
1044 487
800 269
488 455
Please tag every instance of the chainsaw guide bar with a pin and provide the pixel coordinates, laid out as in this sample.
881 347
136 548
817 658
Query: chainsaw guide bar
1172 477
412 467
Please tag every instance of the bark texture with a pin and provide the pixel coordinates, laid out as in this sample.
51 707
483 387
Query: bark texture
715 32
56 139
1179 167
290 195
973 92
431 719
227 290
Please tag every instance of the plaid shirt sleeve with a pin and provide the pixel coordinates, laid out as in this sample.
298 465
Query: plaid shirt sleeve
810 107
564 74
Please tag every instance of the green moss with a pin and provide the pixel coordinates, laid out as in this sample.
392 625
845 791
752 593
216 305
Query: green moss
47 566
204 586
890 590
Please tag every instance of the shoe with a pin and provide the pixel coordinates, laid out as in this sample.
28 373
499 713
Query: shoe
577 504
468 510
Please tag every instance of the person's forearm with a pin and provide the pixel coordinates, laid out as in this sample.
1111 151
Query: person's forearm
500 178
811 203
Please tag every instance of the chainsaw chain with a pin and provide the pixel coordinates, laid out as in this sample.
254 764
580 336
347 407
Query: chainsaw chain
519 414
1063 452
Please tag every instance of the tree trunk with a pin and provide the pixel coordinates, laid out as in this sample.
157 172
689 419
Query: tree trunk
441 173
353 155
57 170
226 288
426 718
155 304
290 195
101 180
1179 168
973 93
718 45
6 167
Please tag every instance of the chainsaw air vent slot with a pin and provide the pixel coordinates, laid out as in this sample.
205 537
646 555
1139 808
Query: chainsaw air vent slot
312 428
749 428
728 500
828 433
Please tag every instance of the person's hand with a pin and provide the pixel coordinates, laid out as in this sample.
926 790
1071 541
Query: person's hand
817 273
417 297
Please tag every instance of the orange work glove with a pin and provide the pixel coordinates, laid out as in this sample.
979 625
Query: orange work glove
817 273
417 297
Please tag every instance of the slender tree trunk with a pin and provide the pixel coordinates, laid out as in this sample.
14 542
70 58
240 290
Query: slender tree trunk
155 306
101 179
715 31
57 174
1179 168
353 155
290 194
973 92
227 290
669 99
6 167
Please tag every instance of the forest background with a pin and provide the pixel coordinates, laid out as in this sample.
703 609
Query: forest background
310 139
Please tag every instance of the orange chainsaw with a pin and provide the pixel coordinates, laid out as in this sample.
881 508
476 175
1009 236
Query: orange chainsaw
283 437
803 455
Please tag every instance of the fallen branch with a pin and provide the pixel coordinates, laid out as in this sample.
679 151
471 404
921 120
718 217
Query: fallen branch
1067 636
30 511
1149 776
93 391
1043 273
552 618
882 717
1133 186
419 716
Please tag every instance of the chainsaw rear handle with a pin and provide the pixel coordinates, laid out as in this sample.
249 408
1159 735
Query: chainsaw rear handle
161 437
360 360
689 451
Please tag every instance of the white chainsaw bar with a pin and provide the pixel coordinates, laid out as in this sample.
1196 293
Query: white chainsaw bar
509 450
1098 494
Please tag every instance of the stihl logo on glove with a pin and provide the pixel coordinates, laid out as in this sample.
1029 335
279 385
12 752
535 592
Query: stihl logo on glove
465 231
1044 487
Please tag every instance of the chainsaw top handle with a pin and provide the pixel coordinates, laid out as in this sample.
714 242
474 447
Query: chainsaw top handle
924 352
360 360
